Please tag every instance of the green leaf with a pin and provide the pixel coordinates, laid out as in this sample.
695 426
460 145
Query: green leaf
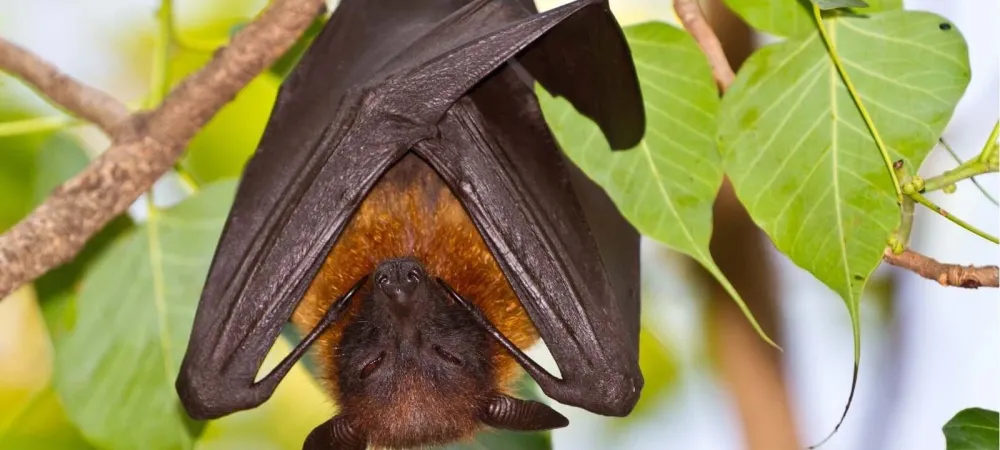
17 168
973 429
794 17
60 157
667 185
42 425
835 4
802 160
115 370
502 440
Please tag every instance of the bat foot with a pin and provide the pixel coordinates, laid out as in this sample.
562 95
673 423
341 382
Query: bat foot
335 434
509 413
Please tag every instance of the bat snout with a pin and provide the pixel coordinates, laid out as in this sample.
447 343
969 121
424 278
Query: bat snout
399 279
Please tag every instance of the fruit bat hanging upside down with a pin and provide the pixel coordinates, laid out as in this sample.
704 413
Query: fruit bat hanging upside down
409 210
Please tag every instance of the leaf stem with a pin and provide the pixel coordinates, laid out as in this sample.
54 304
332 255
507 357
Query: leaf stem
900 238
967 169
974 181
38 125
159 84
919 198
990 149
905 222
835 57
186 178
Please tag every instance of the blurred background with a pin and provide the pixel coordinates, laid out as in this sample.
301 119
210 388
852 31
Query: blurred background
712 384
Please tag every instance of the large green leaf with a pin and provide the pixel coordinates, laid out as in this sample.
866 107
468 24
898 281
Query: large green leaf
42 425
115 370
835 4
666 186
802 160
973 429
794 17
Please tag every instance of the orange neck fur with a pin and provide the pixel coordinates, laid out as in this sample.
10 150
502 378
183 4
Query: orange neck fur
411 212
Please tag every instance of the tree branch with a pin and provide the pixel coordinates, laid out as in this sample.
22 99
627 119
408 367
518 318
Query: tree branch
65 91
970 277
145 144
691 15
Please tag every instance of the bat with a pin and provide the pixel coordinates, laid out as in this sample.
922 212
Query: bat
406 349
407 194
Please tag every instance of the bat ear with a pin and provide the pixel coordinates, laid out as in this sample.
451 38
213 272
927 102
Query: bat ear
509 413
577 51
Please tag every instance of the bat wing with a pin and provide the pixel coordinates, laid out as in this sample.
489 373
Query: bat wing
377 81
567 252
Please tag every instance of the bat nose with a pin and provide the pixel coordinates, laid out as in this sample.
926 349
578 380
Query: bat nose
399 279
400 291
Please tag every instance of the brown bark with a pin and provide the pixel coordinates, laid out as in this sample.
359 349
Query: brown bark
970 277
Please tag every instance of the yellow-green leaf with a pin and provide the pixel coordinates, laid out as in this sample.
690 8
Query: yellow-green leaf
802 160
115 370
666 185
794 17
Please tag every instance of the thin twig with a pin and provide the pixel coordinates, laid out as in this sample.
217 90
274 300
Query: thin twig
946 274
919 198
64 91
691 15
974 181
143 150
38 125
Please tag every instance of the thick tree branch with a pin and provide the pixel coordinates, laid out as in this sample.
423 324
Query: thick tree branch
691 15
65 91
145 145
971 277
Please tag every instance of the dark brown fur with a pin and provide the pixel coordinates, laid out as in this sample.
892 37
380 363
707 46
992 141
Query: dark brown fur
412 213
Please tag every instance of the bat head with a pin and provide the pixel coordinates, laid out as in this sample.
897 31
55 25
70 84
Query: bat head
413 365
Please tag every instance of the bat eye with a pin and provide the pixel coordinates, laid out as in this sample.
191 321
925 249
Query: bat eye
413 276
382 279
445 355
372 366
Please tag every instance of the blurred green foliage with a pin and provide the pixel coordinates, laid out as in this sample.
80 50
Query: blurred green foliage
18 170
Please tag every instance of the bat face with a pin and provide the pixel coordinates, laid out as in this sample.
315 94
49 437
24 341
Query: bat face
414 366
